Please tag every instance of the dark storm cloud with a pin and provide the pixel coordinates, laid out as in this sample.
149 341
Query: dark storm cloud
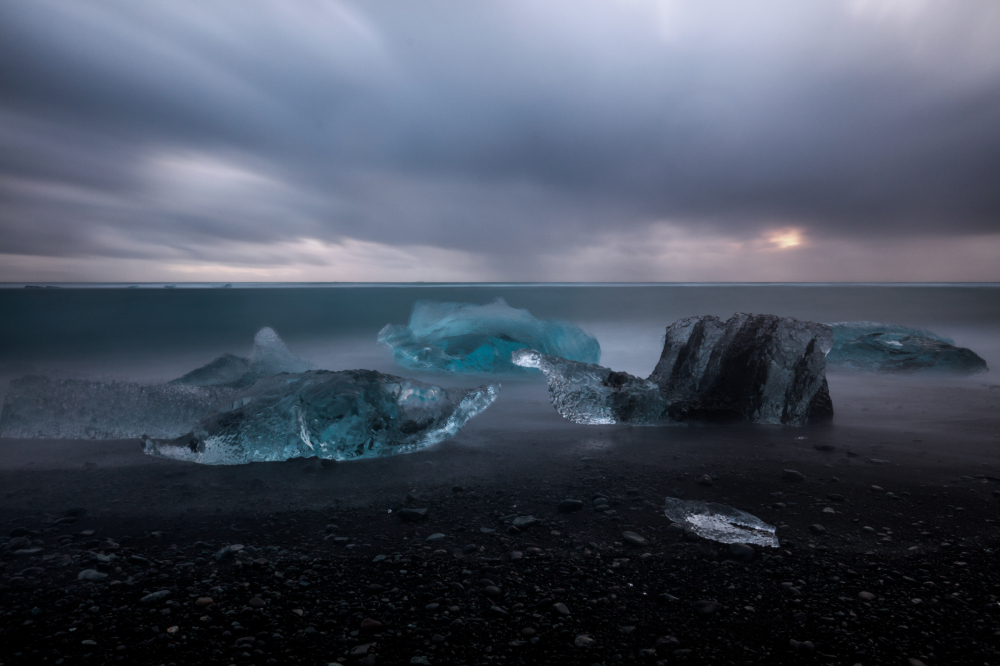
165 128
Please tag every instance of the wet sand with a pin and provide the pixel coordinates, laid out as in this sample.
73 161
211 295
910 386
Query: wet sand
908 469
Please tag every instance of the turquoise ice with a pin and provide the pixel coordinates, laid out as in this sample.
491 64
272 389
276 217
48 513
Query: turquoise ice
890 348
469 338
342 415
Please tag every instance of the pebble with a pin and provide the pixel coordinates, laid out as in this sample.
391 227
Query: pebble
792 475
411 515
817 529
560 608
154 597
634 539
569 506
91 574
704 607
437 536
524 522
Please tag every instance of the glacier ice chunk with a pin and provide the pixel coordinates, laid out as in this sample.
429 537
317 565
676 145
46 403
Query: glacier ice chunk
757 368
890 348
268 357
720 522
469 338
38 406
594 395
333 415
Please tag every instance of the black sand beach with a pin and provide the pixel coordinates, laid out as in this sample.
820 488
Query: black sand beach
888 545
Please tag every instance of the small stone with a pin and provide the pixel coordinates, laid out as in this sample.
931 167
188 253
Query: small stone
91 574
634 539
742 551
528 632
570 505
410 515
705 480
437 536
154 597
204 601
584 641
825 448
792 475
817 529
560 608
524 522
368 624
866 596
704 607
420 661
256 602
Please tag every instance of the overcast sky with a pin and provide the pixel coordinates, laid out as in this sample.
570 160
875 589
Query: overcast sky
630 140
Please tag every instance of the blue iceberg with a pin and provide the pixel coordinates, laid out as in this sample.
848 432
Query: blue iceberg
342 415
268 357
756 368
469 338
889 348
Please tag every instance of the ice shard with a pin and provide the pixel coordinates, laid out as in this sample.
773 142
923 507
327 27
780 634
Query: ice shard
594 395
756 368
469 338
333 415
890 348
720 522
268 357
84 409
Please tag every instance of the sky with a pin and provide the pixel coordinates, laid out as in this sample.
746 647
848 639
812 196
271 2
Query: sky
566 140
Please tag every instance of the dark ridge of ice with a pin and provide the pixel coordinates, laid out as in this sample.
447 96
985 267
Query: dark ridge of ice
890 348
81 409
756 368
333 415
268 357
469 338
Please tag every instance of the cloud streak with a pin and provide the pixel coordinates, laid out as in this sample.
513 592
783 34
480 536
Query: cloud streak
500 140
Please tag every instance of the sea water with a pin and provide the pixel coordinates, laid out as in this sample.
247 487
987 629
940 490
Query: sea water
155 332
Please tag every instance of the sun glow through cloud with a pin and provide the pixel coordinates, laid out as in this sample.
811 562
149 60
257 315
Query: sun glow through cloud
784 239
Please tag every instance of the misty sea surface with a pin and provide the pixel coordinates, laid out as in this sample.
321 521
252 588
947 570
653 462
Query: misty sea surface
154 333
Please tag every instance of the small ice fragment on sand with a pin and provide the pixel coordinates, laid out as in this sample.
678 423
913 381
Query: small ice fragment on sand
721 523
